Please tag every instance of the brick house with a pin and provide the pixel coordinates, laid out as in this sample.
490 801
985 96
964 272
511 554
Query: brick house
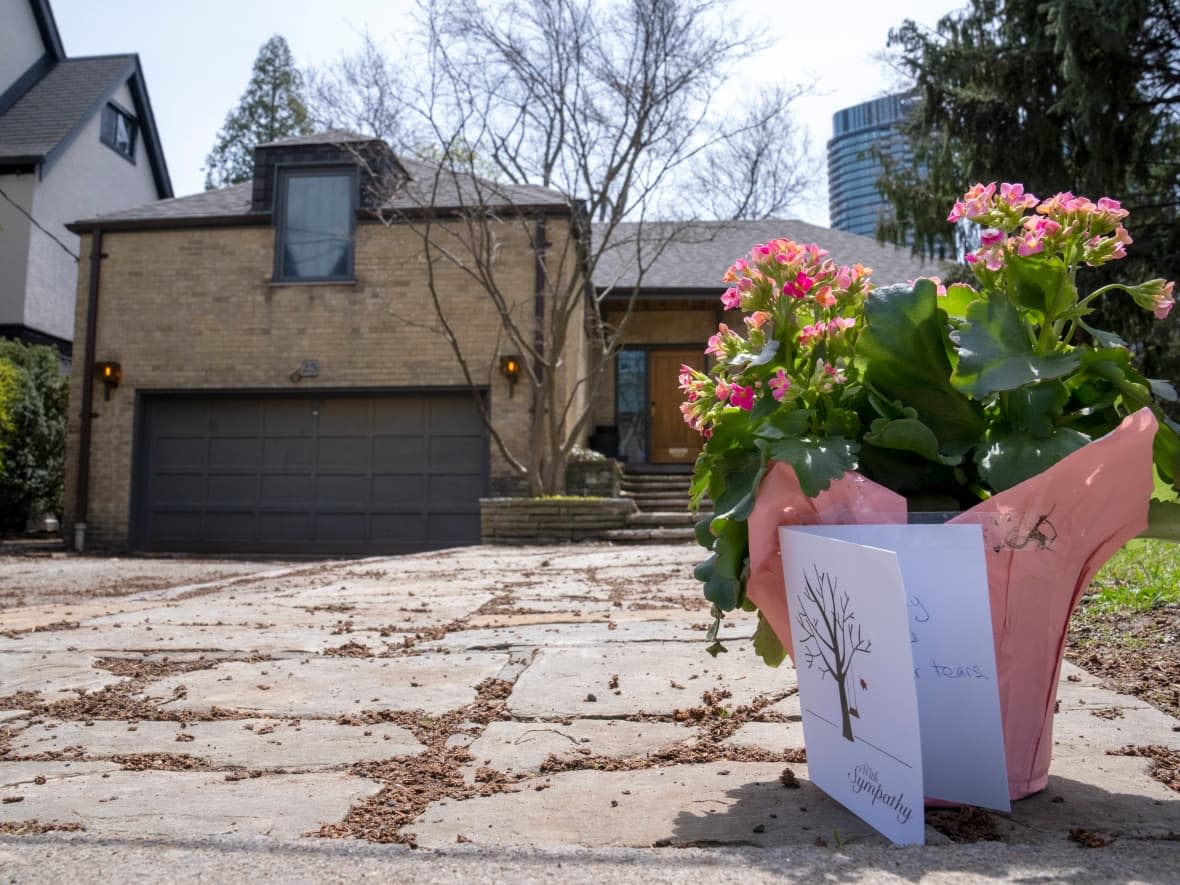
271 385
77 138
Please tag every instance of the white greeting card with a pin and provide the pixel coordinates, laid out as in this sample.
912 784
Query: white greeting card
936 575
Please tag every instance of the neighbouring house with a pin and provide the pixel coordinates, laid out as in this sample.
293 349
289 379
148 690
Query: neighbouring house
275 379
264 372
77 139
678 273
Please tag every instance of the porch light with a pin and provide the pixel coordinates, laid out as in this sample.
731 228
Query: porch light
110 374
510 369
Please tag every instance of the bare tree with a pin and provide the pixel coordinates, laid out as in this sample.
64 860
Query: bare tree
761 167
831 638
609 105
364 92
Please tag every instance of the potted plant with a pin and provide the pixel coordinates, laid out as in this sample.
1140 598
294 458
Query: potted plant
838 402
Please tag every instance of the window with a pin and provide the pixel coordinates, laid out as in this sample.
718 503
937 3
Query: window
316 222
118 131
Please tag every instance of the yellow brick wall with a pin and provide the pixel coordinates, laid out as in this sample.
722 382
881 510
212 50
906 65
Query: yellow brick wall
196 309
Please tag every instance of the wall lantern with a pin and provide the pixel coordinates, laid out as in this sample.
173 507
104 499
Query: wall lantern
510 369
110 374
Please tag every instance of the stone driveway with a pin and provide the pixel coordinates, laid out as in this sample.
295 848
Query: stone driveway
473 700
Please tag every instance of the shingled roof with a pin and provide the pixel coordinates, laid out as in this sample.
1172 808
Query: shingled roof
425 186
682 256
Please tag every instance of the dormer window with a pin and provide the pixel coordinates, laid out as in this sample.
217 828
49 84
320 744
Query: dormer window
315 224
118 131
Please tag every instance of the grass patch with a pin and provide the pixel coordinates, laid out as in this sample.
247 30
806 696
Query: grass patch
1142 576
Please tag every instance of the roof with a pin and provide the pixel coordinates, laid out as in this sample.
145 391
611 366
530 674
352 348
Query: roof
695 254
428 186
42 122
43 117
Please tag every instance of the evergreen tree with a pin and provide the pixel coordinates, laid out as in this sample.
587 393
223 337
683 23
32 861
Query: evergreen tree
272 107
33 394
1061 95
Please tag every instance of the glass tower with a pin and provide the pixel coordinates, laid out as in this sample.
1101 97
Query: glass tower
854 203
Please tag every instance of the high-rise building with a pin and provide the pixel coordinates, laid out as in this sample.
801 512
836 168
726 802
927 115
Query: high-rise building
854 203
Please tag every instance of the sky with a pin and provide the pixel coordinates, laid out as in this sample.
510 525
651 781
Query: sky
197 56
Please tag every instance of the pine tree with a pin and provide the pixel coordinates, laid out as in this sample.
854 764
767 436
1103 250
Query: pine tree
272 107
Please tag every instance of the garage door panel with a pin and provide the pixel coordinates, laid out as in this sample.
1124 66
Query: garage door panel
172 452
234 418
399 491
229 525
311 473
233 452
182 488
287 452
456 415
232 490
341 527
285 526
289 418
444 526
400 417
455 488
403 452
283 488
343 489
404 528
343 451
454 452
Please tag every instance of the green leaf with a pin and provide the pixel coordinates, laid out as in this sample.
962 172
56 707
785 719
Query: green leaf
737 499
816 462
748 359
717 648
767 644
958 298
720 590
1034 407
1104 339
908 435
995 353
701 531
902 354
1163 390
1043 285
1008 457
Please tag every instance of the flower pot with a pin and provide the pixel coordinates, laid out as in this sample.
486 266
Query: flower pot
1045 539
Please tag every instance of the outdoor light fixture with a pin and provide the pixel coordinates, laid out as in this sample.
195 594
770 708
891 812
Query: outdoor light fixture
110 374
510 369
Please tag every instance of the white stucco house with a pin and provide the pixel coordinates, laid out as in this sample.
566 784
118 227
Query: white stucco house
77 139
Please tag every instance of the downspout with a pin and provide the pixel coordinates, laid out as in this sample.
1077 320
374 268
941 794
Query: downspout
82 501
540 244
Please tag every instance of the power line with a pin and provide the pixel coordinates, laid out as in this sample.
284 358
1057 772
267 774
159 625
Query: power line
21 209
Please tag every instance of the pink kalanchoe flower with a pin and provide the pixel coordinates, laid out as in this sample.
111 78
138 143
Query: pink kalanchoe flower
742 397
1111 210
824 297
1014 196
1164 301
731 299
809 333
839 324
716 345
723 389
990 236
779 385
757 319
1030 244
800 286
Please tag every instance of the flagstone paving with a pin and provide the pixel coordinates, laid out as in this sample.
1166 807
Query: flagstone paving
555 698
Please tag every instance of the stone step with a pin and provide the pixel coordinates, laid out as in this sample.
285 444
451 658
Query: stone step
649 535
658 518
630 481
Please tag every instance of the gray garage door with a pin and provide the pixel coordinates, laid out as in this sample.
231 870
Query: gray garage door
299 474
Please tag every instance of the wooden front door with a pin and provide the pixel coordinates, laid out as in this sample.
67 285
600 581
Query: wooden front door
672 441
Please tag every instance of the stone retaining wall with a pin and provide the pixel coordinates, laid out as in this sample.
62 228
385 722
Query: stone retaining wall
548 520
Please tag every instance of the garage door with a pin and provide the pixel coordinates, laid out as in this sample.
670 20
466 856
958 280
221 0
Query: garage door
302 474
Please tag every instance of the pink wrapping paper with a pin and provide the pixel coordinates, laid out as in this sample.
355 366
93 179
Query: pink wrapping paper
1045 539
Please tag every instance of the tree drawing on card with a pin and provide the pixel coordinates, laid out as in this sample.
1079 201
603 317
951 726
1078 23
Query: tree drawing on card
832 638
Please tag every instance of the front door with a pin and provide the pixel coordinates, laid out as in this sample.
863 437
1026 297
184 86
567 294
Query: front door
672 441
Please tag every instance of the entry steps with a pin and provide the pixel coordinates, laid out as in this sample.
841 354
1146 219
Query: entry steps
662 499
